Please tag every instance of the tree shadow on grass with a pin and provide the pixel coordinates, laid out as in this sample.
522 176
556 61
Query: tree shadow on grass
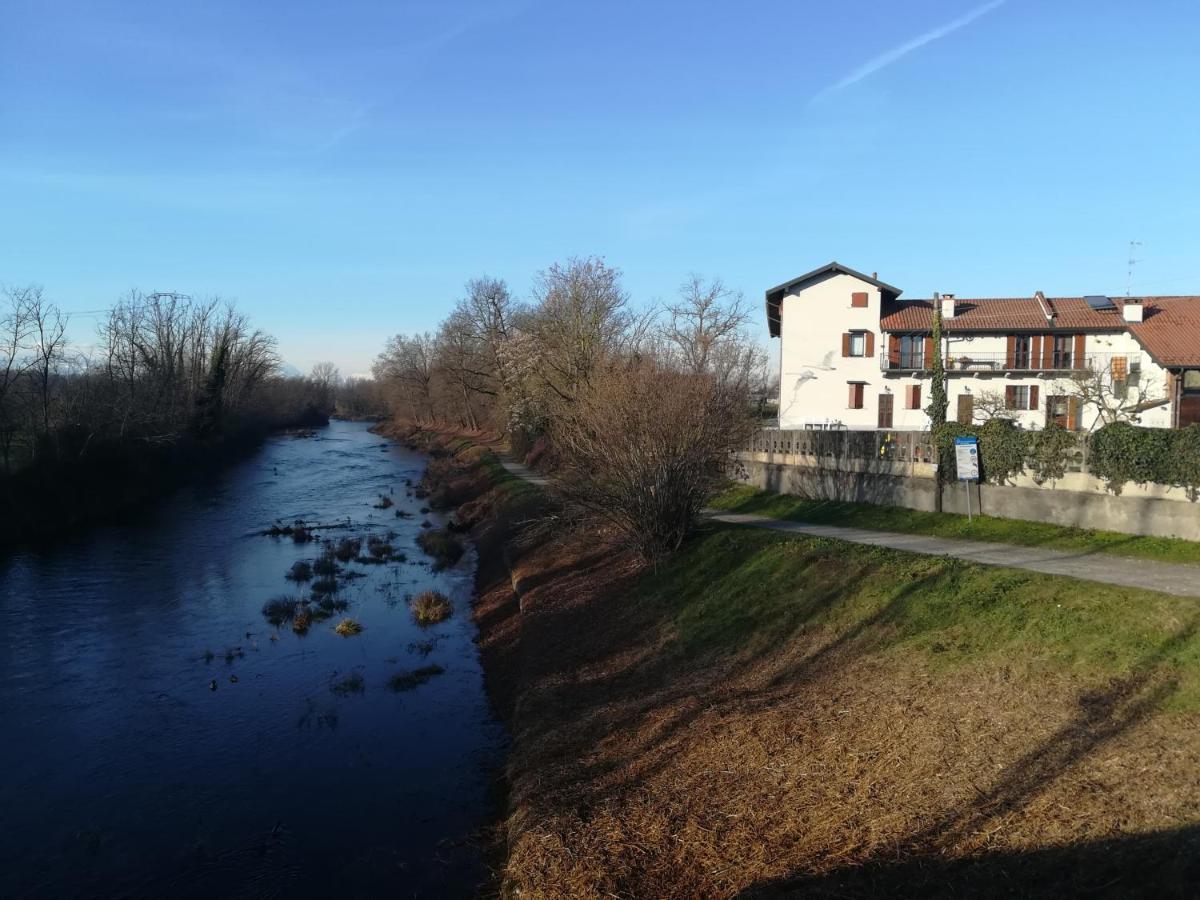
1157 864
1162 864
646 699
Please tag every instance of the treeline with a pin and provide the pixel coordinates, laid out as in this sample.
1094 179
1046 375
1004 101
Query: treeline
170 385
640 409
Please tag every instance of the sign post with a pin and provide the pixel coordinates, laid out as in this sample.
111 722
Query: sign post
966 461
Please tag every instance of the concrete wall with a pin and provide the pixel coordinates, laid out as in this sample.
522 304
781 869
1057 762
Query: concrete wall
1147 510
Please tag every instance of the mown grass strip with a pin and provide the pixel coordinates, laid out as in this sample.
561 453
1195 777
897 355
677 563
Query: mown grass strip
746 591
745 499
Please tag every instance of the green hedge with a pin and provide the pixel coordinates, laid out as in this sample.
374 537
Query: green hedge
1121 453
1003 447
1118 453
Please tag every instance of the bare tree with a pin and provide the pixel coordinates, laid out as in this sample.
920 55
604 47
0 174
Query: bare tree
581 318
407 364
16 327
48 329
1113 394
326 379
644 446
703 322
990 405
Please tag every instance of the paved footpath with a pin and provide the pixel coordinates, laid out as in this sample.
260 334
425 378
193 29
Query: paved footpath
1169 578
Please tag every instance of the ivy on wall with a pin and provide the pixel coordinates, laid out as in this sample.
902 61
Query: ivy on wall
1121 453
1118 453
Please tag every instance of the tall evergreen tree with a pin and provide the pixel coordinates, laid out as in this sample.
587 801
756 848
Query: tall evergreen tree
938 403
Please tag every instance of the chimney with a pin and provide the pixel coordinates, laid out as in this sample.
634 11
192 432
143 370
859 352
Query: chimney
947 302
1044 306
1133 310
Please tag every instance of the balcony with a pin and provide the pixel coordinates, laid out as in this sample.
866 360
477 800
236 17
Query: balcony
998 363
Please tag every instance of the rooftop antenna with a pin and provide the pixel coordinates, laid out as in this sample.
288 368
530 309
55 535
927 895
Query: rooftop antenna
1133 245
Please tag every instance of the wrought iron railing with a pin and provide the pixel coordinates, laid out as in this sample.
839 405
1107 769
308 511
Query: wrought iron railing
962 363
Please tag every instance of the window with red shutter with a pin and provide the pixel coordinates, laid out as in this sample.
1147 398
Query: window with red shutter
858 299
912 396
856 394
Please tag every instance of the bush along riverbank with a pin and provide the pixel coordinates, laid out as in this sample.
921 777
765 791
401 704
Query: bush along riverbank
68 492
766 714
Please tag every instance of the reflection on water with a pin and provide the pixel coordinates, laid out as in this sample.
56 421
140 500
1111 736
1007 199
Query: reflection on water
303 773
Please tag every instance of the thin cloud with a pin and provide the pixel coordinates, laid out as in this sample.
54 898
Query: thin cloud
886 59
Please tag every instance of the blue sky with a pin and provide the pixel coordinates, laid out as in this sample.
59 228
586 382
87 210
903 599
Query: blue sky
340 169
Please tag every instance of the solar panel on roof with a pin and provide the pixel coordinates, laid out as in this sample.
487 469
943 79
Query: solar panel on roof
1099 301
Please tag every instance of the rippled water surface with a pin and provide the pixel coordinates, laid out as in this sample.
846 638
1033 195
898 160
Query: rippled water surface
123 773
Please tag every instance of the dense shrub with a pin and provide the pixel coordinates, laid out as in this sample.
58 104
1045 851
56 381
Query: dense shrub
644 447
1121 453
1002 450
1049 451
1185 460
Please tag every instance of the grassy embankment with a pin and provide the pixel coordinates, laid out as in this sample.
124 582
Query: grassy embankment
767 713
745 499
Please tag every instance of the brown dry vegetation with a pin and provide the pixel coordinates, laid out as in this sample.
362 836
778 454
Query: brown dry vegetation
682 734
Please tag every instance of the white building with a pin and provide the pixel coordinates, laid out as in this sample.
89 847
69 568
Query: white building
854 355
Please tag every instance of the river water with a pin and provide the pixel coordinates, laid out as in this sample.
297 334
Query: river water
304 773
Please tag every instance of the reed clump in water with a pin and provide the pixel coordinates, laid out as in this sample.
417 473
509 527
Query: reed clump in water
406 681
347 549
300 571
325 564
348 627
443 546
280 609
327 585
353 683
431 607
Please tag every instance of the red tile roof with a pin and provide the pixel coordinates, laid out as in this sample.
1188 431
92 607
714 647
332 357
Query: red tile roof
1004 314
1170 330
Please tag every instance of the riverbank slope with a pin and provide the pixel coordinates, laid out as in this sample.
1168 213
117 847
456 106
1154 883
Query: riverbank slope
108 479
769 714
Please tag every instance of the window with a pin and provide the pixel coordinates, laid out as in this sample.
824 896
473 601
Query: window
1017 397
856 394
912 351
1062 351
858 343
1022 352
858 299
912 397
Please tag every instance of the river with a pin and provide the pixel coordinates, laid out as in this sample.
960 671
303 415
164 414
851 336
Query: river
161 739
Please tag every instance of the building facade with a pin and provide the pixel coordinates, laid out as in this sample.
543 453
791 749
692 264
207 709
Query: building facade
854 355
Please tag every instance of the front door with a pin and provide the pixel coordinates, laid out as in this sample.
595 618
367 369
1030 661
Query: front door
885 411
966 409
1189 399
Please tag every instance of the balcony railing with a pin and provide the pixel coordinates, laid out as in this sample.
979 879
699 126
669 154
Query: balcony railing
976 363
